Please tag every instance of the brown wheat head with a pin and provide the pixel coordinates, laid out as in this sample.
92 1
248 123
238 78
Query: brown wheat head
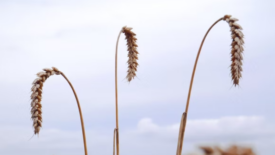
237 48
36 96
133 53
233 150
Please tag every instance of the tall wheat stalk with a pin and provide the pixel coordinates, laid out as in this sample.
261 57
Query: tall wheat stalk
132 68
236 67
36 97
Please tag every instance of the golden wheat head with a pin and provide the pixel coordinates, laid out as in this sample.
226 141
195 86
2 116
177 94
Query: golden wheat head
133 53
207 150
233 150
36 96
237 48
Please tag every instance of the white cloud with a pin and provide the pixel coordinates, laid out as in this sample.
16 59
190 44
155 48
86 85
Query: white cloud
243 130
147 137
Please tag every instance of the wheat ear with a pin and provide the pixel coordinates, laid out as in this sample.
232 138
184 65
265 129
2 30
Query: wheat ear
237 48
207 150
236 66
233 150
133 53
131 73
36 97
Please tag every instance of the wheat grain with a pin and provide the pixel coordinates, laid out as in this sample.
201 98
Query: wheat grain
232 150
237 48
133 53
36 97
207 150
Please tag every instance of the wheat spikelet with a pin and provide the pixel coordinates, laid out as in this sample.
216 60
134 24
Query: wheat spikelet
207 150
237 48
36 96
133 53
233 150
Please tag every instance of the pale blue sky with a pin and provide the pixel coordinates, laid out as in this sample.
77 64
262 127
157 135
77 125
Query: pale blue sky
79 36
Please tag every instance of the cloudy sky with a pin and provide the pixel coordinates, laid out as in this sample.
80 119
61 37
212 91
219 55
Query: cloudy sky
78 37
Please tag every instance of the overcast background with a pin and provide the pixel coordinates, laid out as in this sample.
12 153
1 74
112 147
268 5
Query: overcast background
78 37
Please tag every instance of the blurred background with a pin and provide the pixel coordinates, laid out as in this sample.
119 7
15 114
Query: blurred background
79 36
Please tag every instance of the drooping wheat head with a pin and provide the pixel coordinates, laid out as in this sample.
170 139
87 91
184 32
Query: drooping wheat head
237 48
236 64
207 150
133 53
36 96
233 150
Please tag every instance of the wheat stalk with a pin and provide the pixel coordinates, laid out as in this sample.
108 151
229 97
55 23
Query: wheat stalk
131 73
36 97
233 150
236 66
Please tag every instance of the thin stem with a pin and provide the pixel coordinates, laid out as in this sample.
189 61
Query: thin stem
190 87
117 138
195 66
80 113
114 143
181 132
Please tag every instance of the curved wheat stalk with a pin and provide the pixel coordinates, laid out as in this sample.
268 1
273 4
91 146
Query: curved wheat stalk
36 97
236 64
132 68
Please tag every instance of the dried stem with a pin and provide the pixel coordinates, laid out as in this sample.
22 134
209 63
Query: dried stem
114 143
181 133
183 123
195 66
116 129
80 114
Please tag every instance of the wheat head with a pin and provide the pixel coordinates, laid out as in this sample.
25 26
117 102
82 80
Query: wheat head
233 150
133 53
237 48
36 96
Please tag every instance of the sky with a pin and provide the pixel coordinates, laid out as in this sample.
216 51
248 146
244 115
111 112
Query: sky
79 36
